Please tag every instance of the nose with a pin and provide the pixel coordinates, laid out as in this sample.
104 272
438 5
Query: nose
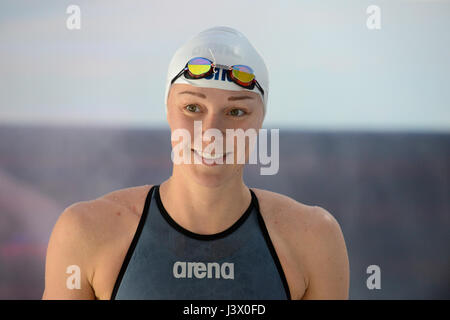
212 128
213 121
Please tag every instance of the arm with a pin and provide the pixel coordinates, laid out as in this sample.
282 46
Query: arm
327 262
68 245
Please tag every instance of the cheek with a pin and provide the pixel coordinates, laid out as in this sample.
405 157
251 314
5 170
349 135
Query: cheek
181 130
257 115
176 118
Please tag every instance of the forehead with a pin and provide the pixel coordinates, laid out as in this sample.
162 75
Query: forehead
179 89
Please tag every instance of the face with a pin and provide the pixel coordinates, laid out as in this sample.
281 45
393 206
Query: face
216 109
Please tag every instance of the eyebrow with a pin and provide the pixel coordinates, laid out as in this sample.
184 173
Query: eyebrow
201 95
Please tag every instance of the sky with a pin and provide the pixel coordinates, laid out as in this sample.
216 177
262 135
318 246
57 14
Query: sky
327 69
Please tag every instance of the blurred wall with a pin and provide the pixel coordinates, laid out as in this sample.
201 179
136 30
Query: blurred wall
389 192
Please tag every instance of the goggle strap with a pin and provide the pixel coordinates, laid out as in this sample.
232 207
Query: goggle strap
178 75
259 87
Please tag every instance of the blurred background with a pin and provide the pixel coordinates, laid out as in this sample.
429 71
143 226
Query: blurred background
364 119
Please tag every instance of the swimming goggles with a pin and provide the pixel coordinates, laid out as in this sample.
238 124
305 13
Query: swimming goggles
198 68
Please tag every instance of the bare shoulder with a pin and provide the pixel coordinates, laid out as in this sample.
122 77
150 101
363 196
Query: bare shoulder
311 246
289 214
128 200
108 213
303 230
103 218
90 234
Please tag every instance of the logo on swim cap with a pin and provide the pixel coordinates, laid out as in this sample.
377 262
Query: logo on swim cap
221 74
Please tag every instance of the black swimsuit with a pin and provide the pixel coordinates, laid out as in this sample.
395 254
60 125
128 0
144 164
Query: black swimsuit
166 261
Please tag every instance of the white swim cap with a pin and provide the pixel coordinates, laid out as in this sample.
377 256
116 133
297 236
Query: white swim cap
222 45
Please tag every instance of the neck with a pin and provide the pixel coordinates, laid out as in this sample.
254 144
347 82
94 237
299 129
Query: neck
204 209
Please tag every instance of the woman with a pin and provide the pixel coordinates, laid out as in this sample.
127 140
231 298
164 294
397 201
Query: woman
202 233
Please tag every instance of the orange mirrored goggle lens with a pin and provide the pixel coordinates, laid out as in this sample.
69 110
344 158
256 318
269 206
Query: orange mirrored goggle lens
243 73
199 66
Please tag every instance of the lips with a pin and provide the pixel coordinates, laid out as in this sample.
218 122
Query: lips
209 159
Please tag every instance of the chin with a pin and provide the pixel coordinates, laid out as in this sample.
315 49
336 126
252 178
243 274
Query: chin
211 177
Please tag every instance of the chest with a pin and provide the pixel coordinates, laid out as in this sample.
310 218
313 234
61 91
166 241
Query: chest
190 267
